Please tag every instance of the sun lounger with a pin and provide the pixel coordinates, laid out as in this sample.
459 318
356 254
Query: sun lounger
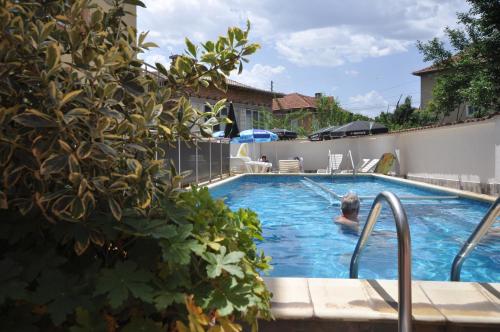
289 166
334 161
367 165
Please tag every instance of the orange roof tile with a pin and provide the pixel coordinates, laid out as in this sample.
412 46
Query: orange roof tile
293 101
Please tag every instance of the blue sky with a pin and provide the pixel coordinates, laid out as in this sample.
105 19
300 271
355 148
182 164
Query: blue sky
360 51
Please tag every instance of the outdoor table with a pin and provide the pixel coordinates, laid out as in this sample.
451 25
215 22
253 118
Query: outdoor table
259 166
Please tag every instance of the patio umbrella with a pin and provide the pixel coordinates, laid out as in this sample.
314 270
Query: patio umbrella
284 134
322 134
231 129
359 128
256 136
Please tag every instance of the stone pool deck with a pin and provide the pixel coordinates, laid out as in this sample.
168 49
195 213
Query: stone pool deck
316 304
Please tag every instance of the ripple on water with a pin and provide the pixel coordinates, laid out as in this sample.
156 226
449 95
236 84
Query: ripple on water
300 235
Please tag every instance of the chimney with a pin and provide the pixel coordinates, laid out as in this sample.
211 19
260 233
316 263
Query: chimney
318 95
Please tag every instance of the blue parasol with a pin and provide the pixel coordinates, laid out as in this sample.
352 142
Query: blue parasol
255 136
218 134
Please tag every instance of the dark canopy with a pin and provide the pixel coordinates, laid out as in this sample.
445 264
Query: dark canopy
231 129
359 128
322 134
284 134
355 128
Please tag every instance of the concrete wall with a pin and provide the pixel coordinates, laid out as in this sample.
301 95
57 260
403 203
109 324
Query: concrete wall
464 156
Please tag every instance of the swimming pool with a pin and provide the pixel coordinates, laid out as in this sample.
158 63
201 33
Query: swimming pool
303 241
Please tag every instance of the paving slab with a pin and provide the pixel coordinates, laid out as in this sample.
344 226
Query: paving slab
291 298
422 308
342 299
461 302
492 292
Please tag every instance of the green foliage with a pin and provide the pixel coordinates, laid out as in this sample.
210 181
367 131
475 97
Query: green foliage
330 113
472 75
95 234
268 120
405 116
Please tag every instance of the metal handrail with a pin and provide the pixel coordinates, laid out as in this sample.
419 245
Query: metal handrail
476 236
404 254
352 163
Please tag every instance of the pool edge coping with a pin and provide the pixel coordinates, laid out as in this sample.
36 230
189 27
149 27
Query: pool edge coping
434 302
457 192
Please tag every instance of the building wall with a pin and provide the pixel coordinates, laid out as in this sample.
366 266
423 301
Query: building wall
464 156
240 110
305 122
237 95
130 20
427 82
247 103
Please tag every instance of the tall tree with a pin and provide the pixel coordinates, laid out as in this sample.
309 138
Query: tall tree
406 116
470 70
330 113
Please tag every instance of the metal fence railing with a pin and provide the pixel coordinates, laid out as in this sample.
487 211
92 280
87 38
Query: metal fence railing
205 160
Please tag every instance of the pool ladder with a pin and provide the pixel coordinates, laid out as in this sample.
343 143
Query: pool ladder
404 254
476 236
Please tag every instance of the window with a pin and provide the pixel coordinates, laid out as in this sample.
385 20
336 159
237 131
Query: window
255 122
221 125
471 111
248 119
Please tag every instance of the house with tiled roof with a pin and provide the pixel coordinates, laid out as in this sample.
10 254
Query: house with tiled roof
249 102
295 102
428 77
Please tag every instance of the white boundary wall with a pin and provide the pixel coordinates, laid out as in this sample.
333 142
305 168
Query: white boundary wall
464 156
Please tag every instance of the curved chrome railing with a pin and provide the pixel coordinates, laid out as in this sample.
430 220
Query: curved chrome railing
404 253
476 236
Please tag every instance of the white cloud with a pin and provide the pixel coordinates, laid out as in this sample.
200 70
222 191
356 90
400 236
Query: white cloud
170 21
334 46
260 76
351 72
152 58
400 19
369 104
327 34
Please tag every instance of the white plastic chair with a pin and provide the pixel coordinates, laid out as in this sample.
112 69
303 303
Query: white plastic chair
334 161
239 165
289 166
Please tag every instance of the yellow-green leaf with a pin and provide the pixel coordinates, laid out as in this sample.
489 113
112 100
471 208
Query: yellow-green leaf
115 208
81 247
69 96
54 164
53 56
191 47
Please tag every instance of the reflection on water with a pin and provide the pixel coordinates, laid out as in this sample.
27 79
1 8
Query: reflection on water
301 236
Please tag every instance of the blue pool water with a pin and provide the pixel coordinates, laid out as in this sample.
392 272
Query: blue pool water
303 240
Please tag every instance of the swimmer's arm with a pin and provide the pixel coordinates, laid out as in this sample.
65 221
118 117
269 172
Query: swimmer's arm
346 222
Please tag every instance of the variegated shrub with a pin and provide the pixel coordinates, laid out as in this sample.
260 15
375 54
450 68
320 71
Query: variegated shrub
93 233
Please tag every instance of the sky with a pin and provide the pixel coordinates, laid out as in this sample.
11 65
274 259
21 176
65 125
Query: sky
360 51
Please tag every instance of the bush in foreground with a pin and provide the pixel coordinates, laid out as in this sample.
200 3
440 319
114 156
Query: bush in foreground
94 234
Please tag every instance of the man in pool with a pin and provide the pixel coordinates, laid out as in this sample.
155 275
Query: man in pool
350 209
